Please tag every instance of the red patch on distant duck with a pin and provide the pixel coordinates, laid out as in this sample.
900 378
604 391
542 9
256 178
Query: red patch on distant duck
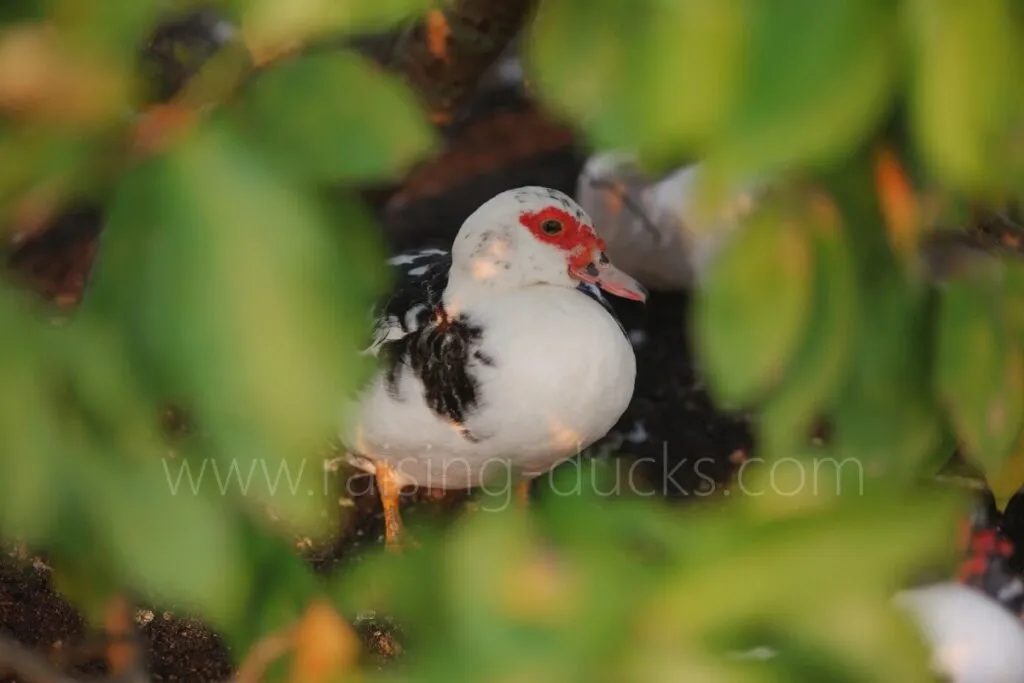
576 238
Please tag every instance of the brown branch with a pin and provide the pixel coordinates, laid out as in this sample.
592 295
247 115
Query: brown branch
17 659
443 57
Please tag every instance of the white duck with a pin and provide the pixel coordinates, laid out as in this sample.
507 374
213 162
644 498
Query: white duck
499 359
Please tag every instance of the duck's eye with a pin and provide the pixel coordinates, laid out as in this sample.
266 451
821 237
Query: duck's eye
551 226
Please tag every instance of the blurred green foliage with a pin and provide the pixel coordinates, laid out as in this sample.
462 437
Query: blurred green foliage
225 282
583 589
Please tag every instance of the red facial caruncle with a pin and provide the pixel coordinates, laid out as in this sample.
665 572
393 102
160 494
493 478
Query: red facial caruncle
584 251
554 226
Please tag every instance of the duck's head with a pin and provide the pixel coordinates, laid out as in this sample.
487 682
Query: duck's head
535 235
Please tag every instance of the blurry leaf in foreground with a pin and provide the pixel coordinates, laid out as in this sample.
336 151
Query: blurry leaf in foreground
1013 298
1008 479
818 78
966 86
181 546
178 546
821 362
528 595
45 165
79 445
980 372
112 29
20 10
281 586
869 640
651 75
751 310
247 303
30 438
755 86
41 75
331 117
325 646
270 25
503 588
885 415
508 596
839 566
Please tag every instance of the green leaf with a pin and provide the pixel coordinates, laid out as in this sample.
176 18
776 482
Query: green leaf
117 485
966 87
59 159
754 86
80 442
484 589
140 522
1013 298
270 22
246 303
281 584
649 74
837 563
871 641
751 310
112 28
885 415
819 76
873 541
1006 481
31 442
821 363
331 117
20 10
980 373
546 595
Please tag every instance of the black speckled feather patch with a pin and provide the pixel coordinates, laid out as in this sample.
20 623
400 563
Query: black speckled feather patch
414 333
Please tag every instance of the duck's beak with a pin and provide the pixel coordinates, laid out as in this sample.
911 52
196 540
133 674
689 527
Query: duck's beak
602 273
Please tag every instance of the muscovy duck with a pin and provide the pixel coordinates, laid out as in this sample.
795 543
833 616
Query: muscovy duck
497 360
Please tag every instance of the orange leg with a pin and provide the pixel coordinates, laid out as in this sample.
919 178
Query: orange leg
387 484
523 494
